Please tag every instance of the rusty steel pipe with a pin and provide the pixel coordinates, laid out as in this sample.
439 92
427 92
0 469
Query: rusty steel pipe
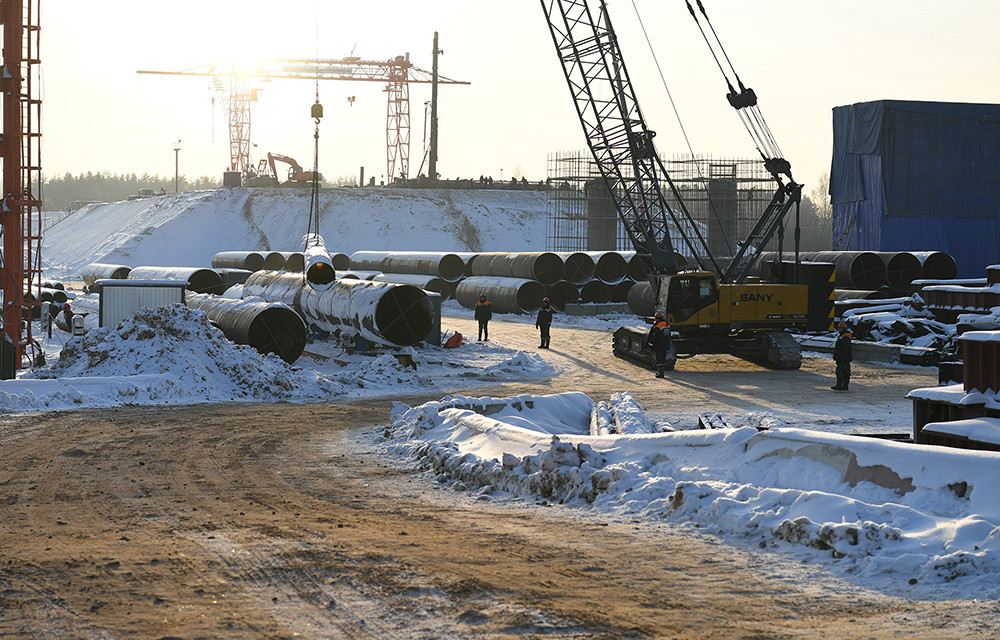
198 280
249 260
268 327
506 295
99 271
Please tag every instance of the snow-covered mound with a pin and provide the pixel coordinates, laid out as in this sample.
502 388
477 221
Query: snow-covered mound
917 521
187 229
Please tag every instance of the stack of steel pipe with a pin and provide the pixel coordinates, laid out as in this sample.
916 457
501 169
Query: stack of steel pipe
852 269
99 271
578 266
427 283
198 280
544 267
232 277
380 312
506 295
249 260
46 294
268 327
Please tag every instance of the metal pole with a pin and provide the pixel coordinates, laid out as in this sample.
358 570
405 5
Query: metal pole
432 166
177 165
12 273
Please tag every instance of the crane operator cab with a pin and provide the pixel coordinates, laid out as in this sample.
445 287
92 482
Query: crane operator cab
689 298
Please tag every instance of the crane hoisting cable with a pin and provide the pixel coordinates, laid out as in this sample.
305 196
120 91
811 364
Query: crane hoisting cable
318 272
744 100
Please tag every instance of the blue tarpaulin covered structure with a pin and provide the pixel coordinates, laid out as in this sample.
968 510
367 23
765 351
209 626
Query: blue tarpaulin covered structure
918 176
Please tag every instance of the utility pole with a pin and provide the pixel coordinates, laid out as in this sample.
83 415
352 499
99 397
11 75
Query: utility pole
432 166
177 165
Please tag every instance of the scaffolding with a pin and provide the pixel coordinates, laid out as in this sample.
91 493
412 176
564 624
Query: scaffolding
725 197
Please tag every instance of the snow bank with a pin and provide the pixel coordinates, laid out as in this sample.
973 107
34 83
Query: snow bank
918 521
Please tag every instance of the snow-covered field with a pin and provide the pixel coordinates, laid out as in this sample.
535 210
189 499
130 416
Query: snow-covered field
922 522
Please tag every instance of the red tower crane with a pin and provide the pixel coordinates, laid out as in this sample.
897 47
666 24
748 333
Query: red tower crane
20 152
397 74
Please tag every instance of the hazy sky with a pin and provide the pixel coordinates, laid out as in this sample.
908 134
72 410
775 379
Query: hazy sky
803 58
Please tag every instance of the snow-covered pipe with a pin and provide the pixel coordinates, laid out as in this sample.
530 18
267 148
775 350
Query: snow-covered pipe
381 312
578 266
319 270
99 271
506 295
198 280
268 327
936 265
249 260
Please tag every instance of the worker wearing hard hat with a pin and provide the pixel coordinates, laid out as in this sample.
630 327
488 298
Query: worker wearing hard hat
659 341
543 322
842 356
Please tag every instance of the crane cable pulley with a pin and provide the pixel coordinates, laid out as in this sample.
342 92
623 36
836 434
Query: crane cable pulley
744 100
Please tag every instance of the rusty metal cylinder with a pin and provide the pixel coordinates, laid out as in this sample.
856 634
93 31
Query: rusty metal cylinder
249 260
506 295
545 267
578 266
198 280
99 271
268 327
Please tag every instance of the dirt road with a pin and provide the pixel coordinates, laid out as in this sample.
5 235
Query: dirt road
278 521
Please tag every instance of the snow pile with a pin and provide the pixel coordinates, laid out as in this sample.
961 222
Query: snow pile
921 519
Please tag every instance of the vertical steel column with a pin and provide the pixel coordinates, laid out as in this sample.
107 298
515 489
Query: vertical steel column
432 165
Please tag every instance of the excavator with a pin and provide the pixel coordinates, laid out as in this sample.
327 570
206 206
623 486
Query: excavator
267 174
710 308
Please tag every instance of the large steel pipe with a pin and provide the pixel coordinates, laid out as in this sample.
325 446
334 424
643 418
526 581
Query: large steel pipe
506 295
610 266
640 298
545 267
341 261
578 266
232 277
295 261
381 312
268 327
562 293
198 280
274 261
427 283
901 268
275 286
249 260
318 266
619 292
99 271
447 266
637 271
595 291
852 269
354 274
936 265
